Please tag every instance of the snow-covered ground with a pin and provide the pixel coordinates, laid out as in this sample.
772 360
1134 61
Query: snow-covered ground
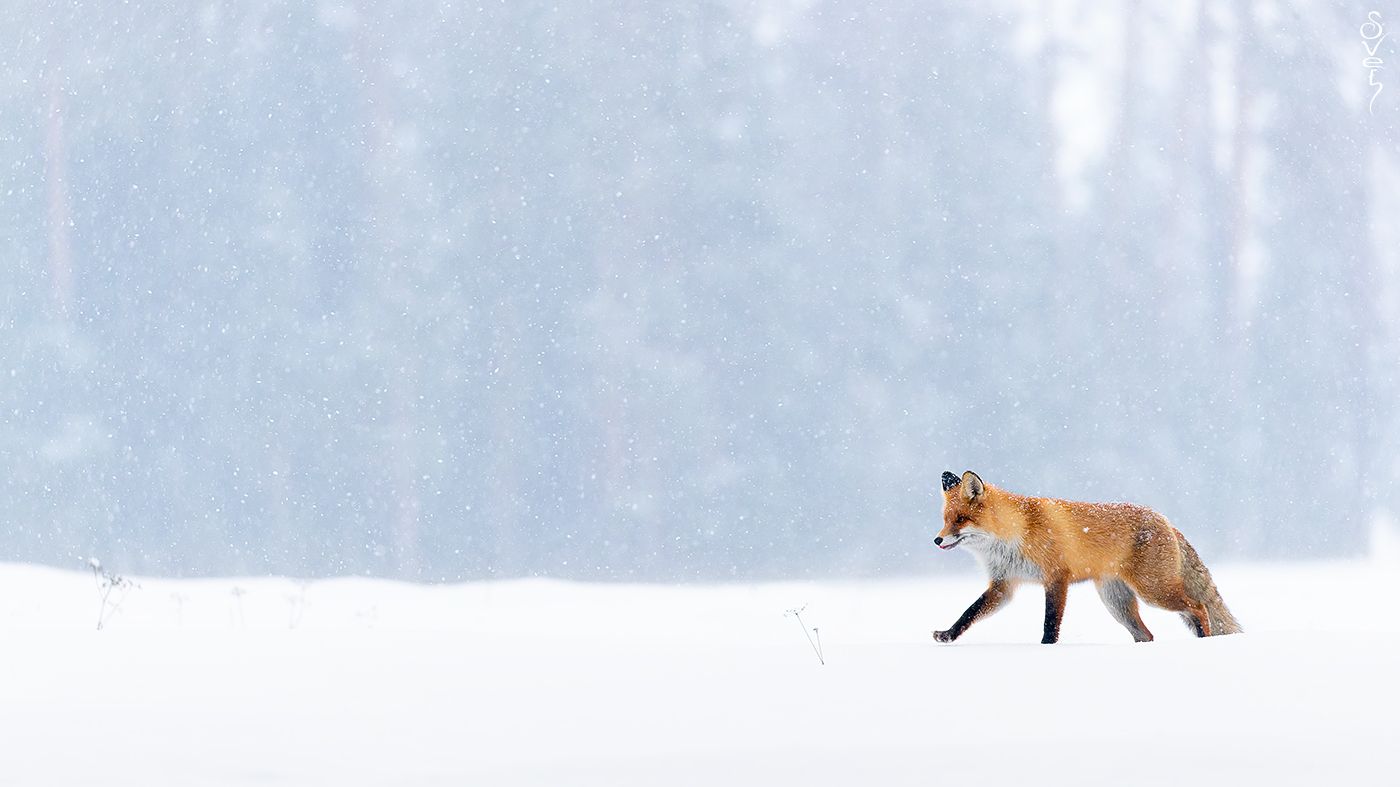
360 682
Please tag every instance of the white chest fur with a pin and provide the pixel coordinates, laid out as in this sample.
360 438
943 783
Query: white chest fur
1003 559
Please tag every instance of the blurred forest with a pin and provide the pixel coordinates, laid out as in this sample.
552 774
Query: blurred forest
640 290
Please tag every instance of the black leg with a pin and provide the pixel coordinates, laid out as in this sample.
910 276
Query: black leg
995 595
1055 591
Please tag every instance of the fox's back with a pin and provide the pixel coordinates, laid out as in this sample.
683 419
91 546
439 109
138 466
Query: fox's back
1088 539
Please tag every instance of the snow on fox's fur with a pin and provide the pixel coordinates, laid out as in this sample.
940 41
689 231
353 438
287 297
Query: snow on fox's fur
1128 551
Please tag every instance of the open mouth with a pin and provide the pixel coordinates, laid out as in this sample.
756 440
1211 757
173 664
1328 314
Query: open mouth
950 544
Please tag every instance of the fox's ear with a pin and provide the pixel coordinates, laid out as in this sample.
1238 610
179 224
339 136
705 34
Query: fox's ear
972 486
949 480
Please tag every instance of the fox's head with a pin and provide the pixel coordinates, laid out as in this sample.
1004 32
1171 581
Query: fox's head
963 500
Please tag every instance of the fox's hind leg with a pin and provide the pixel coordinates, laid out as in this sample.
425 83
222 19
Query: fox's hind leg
1172 597
1123 605
1196 617
1155 574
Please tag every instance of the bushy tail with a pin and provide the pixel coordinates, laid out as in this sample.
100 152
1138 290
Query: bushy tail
1201 588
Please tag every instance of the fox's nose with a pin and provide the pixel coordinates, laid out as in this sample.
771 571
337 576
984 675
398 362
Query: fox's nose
937 541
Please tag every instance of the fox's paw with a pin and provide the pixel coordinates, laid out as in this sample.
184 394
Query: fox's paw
944 636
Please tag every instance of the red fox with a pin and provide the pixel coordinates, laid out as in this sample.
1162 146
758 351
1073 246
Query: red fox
1127 550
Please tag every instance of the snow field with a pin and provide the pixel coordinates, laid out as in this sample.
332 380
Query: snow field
364 682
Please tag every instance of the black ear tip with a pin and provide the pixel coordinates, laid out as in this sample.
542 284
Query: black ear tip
949 480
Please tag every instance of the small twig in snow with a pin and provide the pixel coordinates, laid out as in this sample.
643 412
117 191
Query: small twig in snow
111 591
816 645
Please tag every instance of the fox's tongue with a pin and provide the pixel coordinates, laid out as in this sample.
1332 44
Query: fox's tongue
948 546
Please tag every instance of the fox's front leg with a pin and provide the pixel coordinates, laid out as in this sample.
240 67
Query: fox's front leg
1055 592
996 594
